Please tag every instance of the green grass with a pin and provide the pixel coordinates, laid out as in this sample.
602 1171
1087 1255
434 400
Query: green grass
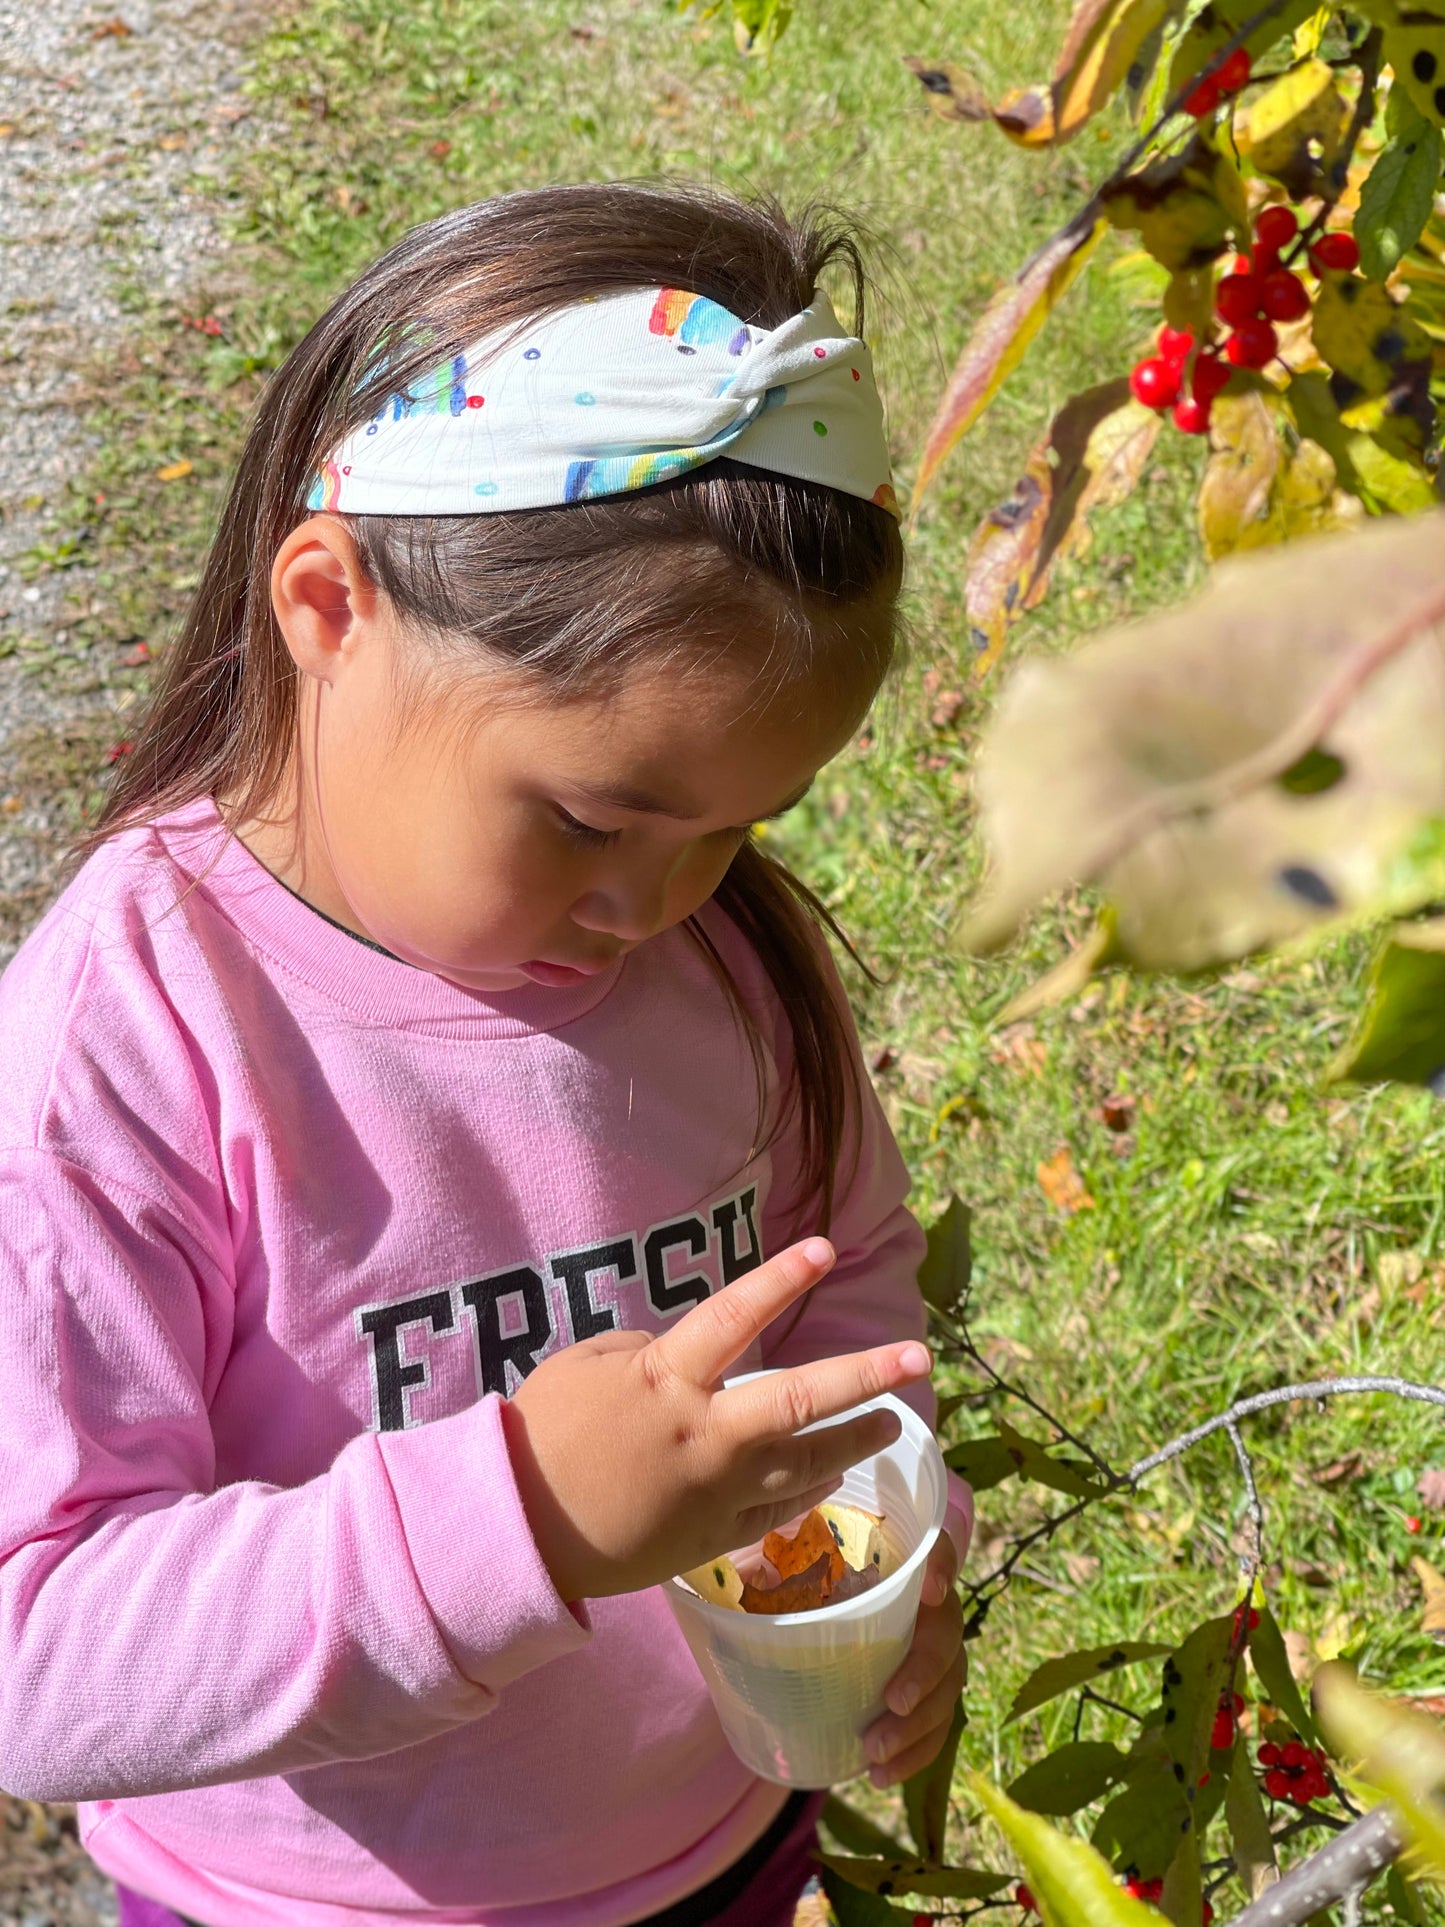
1248 1229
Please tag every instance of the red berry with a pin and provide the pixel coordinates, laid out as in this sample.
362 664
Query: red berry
1269 1754
1253 344
1277 1783
1210 375
1237 1700
1294 1754
1275 228
1236 299
1412 1524
1221 1734
1024 1895
1174 345
1283 296
1134 1887
1203 101
1339 252
1153 1889
1191 416
1206 1915
1234 74
1155 383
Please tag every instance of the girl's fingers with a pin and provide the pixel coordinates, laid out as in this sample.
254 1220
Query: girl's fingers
940 1571
783 1404
892 1735
712 1336
785 1466
759 1520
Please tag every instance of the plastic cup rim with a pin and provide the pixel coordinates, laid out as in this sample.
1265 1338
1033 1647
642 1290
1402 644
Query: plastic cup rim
877 1596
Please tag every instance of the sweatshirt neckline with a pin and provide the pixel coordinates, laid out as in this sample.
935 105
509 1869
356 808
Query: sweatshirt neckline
369 983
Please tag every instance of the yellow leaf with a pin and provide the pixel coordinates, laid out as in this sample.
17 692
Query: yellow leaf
1364 334
1293 129
1184 207
1401 1754
1062 1185
1241 471
1073 1884
1189 301
1098 54
1417 55
1434 1585
1001 338
952 93
173 471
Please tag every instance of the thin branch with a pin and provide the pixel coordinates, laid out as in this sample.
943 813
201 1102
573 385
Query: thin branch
1255 1559
1347 1864
1318 1388
964 1340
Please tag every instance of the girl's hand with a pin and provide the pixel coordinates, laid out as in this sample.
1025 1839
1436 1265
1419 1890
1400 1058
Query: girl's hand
924 1691
633 1463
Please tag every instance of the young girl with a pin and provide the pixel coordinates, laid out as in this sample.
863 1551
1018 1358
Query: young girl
403 1101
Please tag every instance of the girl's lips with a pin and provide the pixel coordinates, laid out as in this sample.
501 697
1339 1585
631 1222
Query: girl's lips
558 976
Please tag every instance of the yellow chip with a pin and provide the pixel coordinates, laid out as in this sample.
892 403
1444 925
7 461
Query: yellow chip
859 1537
718 1582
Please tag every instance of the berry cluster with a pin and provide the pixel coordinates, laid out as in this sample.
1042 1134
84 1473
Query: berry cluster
1151 1891
1294 1772
1221 84
1221 1734
1255 294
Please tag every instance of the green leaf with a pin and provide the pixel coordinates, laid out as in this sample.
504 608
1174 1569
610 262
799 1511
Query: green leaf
1401 1034
1249 1834
857 1833
1072 1776
856 1908
1037 1463
1400 1752
948 1263
1183 1898
1061 1675
1195 1675
1141 1827
948 1406
1404 1897
916 1877
1271 1665
925 1794
1398 194
1073 1885
983 1462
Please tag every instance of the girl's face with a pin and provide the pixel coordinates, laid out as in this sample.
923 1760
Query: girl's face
495 837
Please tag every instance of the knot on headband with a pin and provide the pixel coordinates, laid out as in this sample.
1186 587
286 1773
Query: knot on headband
613 394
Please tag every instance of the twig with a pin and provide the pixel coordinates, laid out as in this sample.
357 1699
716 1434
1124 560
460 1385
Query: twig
1255 1559
1346 1865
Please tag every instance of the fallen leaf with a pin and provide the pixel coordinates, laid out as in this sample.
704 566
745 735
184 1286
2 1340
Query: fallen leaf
952 93
1062 1185
1341 1471
172 143
1433 1582
173 471
1117 1111
717 1581
1431 1487
853 1582
439 150
114 29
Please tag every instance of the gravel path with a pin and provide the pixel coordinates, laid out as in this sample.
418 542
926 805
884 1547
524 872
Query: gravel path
110 124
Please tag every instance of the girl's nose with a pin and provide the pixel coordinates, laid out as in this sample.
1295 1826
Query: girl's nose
631 911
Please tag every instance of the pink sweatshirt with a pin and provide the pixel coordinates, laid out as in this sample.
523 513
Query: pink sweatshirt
282 1222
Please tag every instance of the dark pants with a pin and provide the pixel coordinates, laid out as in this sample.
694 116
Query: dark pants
760 1890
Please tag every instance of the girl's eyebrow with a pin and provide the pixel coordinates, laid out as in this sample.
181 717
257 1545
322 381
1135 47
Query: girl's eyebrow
622 796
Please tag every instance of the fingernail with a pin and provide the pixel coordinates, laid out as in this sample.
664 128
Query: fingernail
903 1700
817 1251
880 1776
876 1747
916 1358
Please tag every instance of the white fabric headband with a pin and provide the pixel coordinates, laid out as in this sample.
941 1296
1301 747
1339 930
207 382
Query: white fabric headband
612 394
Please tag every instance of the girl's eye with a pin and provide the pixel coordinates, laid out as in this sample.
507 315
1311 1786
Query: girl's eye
581 832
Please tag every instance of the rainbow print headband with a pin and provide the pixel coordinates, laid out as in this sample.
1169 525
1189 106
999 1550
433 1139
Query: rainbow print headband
612 394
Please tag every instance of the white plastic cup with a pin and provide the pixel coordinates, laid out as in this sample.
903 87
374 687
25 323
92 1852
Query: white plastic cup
796 1692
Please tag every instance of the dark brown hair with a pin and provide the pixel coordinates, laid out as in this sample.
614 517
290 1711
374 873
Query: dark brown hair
728 558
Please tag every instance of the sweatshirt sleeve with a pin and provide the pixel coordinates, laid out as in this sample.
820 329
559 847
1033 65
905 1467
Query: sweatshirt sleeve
160 1632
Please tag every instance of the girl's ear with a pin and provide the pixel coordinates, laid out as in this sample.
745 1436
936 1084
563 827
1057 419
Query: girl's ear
321 595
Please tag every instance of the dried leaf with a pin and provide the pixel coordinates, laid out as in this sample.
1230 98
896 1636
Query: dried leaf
1062 1185
1159 761
1431 1488
802 1592
1003 559
1185 207
1001 337
173 471
854 1582
1433 1582
1240 474
800 1553
718 1582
